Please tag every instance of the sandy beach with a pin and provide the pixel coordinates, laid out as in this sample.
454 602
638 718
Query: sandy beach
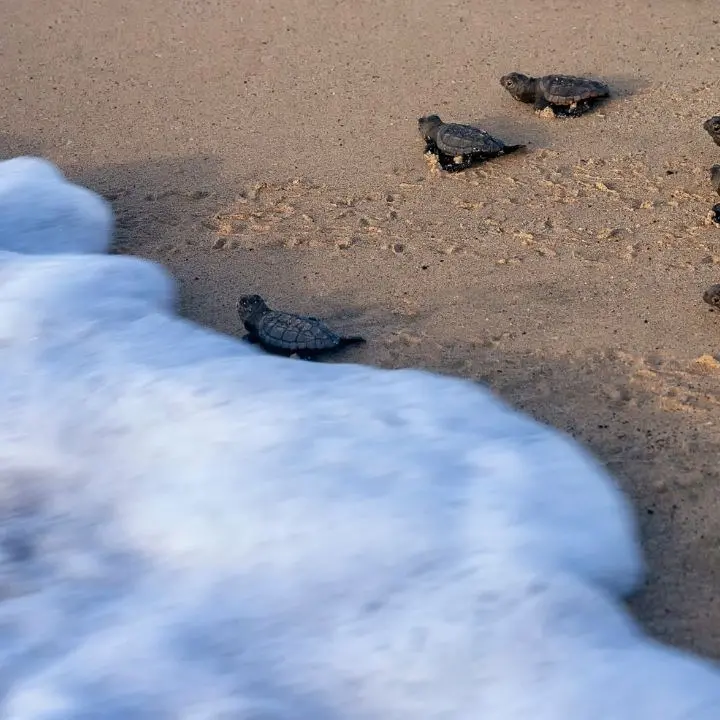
272 147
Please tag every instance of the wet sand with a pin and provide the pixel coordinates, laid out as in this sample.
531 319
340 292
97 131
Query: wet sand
272 148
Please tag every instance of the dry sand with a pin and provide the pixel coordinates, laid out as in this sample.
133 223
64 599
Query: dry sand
271 146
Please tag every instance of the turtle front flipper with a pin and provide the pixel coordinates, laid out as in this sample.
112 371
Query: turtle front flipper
251 336
541 103
448 164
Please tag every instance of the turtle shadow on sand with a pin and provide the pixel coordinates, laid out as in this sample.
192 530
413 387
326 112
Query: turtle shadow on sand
534 135
622 86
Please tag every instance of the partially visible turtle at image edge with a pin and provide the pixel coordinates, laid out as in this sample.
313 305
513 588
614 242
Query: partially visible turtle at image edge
715 178
715 182
712 127
458 146
566 95
712 296
715 214
288 334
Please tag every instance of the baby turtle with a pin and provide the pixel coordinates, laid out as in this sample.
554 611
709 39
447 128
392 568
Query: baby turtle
564 94
712 296
286 334
715 214
715 182
712 126
458 146
715 178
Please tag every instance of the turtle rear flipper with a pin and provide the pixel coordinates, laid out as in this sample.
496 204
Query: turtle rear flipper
573 111
314 354
513 148
578 108
352 340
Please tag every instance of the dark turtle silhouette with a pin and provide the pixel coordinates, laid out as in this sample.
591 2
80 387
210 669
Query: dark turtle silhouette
458 146
715 182
712 296
567 95
286 334
715 178
715 214
712 127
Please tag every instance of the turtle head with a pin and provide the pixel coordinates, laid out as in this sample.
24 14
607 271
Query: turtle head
712 125
428 126
520 86
249 305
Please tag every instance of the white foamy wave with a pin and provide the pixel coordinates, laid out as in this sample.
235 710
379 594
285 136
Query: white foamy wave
191 529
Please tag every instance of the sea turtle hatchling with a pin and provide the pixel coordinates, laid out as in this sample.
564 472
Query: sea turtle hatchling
712 296
715 214
712 127
567 95
715 178
288 334
715 182
458 146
